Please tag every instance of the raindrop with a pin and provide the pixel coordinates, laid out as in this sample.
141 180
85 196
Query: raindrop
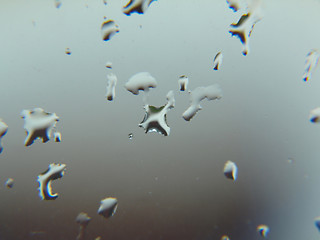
112 82
9 183
130 136
311 63
243 28
217 61
315 115
38 124
140 81
108 29
108 207
155 119
109 65
225 237
230 170
263 230
138 6
3 131
234 4
183 82
57 3
68 51
57 136
55 171
196 96
83 220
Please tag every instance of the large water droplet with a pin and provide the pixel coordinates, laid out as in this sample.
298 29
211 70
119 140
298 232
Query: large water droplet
108 207
230 170
155 119
38 125
108 29
9 183
196 96
243 28
55 171
311 63
138 6
263 230
217 61
3 131
183 82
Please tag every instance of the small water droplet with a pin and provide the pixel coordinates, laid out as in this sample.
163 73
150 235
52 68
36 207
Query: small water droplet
57 3
105 2
311 63
217 61
130 136
108 207
290 160
9 183
109 65
112 82
3 131
183 82
108 29
315 115
263 230
230 170
68 51
138 6
225 237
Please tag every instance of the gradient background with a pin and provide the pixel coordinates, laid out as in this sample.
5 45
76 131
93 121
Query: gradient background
167 187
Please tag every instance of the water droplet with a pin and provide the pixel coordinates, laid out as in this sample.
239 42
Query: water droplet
243 28
225 237
57 3
83 220
230 170
311 63
130 136
217 61
196 96
3 131
155 119
108 29
105 2
317 222
55 171
108 207
109 65
98 238
57 136
290 160
183 82
315 115
9 183
138 6
140 81
68 51
234 5
263 230
38 125
111 87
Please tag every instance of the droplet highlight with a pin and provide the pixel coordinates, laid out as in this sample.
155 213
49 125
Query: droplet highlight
55 171
197 95
108 29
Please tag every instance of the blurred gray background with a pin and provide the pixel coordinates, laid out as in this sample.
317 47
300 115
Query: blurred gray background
167 187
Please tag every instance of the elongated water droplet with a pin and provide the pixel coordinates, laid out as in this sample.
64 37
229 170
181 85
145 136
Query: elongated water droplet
3 131
263 230
230 170
183 82
111 87
311 63
38 125
217 61
108 29
138 6
108 207
55 171
196 96
9 183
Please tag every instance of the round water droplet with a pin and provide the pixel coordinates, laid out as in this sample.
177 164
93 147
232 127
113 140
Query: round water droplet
68 51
